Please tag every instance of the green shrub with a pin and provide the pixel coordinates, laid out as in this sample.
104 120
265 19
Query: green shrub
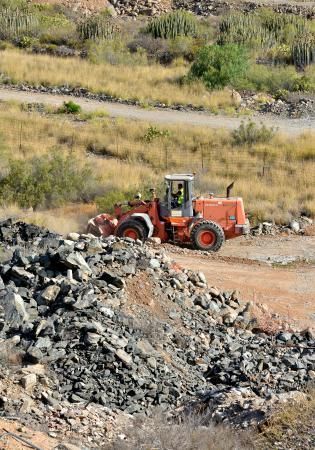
218 66
106 203
47 181
249 134
26 42
173 24
267 79
153 133
303 84
70 108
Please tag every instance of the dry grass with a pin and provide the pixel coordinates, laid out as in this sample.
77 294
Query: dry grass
191 434
292 427
59 220
276 180
147 84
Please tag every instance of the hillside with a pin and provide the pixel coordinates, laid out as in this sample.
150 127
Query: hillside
202 8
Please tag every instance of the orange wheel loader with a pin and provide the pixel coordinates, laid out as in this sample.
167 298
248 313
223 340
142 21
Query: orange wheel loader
180 218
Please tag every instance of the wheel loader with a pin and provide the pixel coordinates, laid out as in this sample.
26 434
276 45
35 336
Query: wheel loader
179 217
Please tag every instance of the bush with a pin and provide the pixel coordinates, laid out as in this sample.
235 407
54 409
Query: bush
249 134
153 133
267 79
218 66
303 84
70 108
173 24
47 182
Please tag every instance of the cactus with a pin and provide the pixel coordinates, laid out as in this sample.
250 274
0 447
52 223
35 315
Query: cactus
266 30
303 50
173 24
97 27
16 22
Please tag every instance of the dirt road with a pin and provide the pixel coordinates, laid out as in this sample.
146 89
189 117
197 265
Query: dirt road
155 115
245 265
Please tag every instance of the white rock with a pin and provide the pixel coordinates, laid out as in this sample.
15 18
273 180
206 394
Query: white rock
295 226
29 381
73 236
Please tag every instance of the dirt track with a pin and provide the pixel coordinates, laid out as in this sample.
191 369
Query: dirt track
288 126
243 265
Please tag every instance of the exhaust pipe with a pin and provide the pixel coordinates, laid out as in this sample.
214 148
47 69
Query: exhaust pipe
229 189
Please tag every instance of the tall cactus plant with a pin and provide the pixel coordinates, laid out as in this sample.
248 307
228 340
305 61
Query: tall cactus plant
303 50
16 22
268 30
173 24
98 26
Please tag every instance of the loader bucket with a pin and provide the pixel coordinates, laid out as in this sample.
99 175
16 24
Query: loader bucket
102 225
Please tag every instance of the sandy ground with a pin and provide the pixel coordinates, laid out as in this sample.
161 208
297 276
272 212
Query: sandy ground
37 439
253 267
165 116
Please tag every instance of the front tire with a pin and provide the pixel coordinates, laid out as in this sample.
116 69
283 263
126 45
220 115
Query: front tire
132 229
207 236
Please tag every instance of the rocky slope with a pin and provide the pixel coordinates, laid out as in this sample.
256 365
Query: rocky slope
134 8
112 327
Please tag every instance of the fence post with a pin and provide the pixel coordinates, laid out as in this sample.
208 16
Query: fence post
166 157
202 165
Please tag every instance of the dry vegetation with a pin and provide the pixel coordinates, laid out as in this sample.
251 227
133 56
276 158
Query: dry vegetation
145 83
291 427
194 432
276 179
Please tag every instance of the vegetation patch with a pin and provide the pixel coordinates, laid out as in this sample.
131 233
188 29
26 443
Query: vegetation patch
250 134
172 25
218 66
46 181
275 177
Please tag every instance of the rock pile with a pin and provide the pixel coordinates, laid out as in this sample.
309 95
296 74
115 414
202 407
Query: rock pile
81 308
295 226
217 7
143 7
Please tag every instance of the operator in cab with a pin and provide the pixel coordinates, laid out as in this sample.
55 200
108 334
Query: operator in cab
178 197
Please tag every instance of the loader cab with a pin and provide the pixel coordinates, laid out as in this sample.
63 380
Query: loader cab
178 195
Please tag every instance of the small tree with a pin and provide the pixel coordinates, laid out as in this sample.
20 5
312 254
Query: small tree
219 65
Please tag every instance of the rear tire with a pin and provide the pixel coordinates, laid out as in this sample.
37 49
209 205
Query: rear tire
133 229
207 236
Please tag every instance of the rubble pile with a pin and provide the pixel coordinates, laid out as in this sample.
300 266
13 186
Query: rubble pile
85 337
141 7
218 7
295 226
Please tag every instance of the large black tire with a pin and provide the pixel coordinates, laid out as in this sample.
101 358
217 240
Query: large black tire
133 229
207 236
